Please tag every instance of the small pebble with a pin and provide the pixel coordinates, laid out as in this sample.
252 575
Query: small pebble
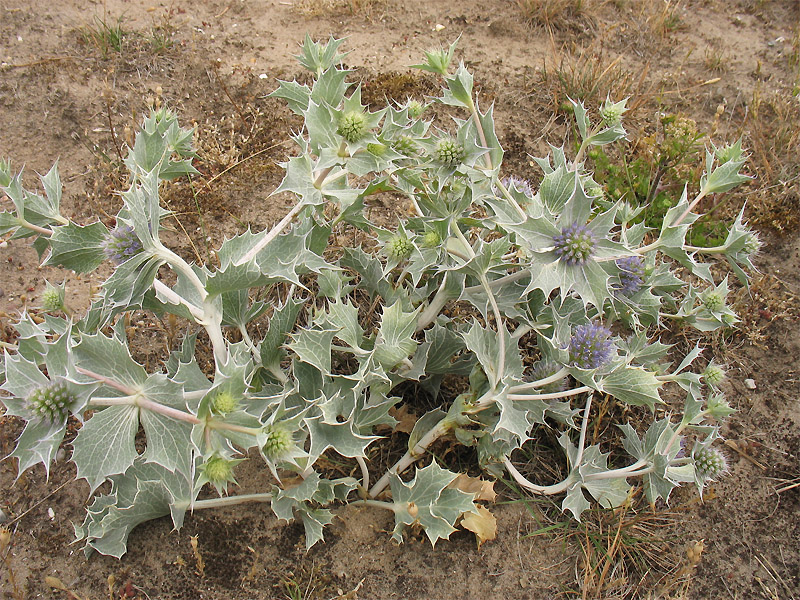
3 516
51 513
750 384
61 455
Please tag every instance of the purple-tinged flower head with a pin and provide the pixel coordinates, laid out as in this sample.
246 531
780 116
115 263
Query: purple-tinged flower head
547 368
522 185
631 274
590 346
682 452
575 245
121 243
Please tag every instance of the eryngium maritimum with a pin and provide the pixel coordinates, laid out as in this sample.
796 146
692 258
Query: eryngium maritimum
590 346
120 244
575 245
631 275
547 368
709 462
51 402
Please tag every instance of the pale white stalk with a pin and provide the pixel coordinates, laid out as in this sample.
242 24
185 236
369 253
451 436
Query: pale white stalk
558 375
552 395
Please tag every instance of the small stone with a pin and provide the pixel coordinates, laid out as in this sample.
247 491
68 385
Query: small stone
51 514
3 516
750 384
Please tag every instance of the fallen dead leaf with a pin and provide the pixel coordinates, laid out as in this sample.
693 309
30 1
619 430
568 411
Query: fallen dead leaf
483 490
483 524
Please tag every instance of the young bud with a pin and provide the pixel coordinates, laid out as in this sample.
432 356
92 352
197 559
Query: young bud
547 368
431 239
352 126
751 244
399 248
279 441
718 407
415 109
713 300
51 402
406 145
449 152
376 149
217 470
713 375
224 403
52 298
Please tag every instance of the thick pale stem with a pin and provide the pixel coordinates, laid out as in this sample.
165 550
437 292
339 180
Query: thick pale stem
501 332
223 426
227 501
364 472
271 235
550 396
436 305
584 427
557 376
107 381
175 298
142 402
40 230
410 457
377 504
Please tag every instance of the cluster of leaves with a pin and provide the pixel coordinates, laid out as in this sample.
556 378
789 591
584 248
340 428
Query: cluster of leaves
579 278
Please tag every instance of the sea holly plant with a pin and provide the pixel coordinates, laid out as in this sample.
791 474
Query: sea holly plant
537 301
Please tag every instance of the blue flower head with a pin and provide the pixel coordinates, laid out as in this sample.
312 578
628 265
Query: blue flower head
590 346
631 274
120 244
575 245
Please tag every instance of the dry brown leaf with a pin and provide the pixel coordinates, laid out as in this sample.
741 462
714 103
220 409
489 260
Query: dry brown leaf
405 420
483 524
483 490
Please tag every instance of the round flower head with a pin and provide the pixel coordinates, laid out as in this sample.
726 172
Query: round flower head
713 375
709 462
575 245
52 299
51 402
547 368
431 239
406 145
415 108
223 403
279 441
352 126
399 247
120 244
590 346
611 114
713 300
449 152
751 243
631 274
